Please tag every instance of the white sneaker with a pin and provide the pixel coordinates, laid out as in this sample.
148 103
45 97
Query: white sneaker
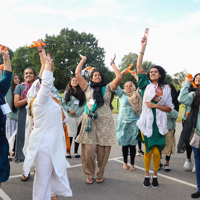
68 155
194 169
77 155
187 165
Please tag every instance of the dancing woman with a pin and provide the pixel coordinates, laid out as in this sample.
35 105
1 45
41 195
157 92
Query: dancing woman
157 102
73 102
191 131
188 162
97 133
46 145
126 130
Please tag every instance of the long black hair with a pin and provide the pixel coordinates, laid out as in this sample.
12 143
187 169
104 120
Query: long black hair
192 88
97 94
79 94
161 80
12 87
174 95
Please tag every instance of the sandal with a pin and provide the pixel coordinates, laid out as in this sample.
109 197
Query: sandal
89 181
25 178
99 180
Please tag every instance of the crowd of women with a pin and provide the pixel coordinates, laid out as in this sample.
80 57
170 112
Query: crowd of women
39 129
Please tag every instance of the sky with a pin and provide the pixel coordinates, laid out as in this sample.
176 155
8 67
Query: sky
174 27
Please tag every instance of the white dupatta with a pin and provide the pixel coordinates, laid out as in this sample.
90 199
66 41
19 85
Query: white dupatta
145 122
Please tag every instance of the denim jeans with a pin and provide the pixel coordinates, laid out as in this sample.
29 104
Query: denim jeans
197 165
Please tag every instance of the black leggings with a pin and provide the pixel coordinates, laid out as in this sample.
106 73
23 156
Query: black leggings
76 145
188 148
132 153
140 145
167 158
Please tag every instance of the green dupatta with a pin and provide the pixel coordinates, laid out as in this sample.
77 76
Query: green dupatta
92 114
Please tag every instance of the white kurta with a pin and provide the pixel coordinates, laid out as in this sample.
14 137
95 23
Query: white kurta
47 119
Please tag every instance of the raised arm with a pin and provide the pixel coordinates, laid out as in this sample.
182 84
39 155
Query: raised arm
5 82
47 80
185 97
114 84
125 71
141 54
6 60
42 60
81 81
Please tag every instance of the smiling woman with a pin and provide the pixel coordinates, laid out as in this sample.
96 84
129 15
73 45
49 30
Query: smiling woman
157 102
20 102
97 133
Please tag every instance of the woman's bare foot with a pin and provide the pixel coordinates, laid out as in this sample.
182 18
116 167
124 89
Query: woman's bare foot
125 166
132 168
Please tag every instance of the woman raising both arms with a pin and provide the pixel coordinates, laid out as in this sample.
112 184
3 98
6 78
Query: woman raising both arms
97 133
157 102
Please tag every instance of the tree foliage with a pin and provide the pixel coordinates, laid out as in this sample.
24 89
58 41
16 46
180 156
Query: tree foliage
64 49
131 58
181 75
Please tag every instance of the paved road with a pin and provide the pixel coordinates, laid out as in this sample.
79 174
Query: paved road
119 184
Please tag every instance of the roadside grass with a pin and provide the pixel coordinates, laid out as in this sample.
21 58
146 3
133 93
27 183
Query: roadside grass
180 113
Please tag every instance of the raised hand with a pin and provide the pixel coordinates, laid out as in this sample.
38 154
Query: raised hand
134 75
144 41
112 60
4 53
84 58
125 71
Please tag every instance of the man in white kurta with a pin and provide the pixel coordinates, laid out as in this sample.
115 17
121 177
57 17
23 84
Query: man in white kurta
46 144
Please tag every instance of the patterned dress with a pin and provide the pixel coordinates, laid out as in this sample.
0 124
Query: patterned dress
103 128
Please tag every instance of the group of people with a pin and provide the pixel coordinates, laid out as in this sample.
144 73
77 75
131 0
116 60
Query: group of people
40 129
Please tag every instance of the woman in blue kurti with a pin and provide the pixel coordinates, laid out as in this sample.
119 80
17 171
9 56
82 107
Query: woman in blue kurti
4 86
126 130
191 130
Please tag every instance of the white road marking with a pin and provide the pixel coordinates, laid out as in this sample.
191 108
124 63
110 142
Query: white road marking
137 167
3 195
161 175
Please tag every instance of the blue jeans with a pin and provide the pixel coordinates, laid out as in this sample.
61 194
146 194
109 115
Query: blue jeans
197 165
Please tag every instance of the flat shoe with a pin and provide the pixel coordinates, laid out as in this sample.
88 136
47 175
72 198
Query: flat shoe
99 180
25 178
89 181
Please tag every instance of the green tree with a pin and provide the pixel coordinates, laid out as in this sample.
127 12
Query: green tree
146 65
181 75
21 61
131 58
65 49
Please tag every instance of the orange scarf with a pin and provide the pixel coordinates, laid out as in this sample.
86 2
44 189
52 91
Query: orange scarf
64 125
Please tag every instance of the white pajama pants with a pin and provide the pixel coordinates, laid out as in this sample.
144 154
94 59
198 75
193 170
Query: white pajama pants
46 182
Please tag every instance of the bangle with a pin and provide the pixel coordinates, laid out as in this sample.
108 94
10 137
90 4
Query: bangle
40 51
112 63
142 53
